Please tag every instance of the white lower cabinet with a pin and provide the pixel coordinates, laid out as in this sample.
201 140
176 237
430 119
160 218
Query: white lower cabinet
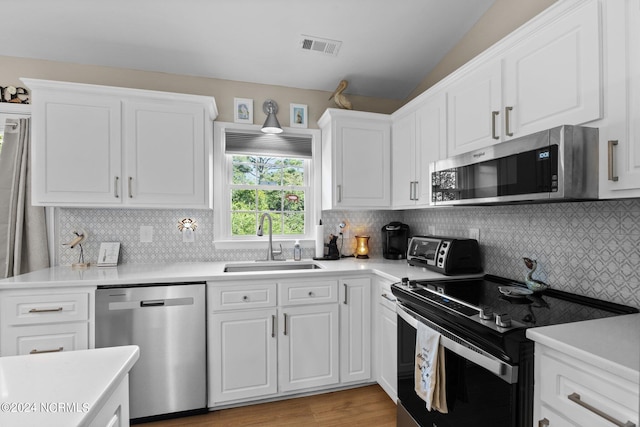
387 339
308 347
355 329
115 412
571 392
243 355
267 339
33 322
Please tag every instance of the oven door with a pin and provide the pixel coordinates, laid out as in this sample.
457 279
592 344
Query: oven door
481 390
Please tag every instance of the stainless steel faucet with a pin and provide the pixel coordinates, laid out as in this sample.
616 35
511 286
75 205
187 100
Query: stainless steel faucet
270 251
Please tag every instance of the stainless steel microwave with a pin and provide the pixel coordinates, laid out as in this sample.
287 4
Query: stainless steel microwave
552 165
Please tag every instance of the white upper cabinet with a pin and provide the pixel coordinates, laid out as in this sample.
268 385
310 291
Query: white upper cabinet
97 146
620 130
76 148
474 105
419 137
356 167
552 77
166 153
545 74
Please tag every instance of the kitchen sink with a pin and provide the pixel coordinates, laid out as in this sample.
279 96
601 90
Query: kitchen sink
270 266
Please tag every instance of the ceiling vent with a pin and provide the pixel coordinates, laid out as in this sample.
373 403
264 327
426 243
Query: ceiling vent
320 45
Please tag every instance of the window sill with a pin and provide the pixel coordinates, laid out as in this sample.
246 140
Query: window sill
261 244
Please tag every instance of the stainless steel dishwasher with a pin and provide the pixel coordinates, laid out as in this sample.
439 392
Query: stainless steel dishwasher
167 322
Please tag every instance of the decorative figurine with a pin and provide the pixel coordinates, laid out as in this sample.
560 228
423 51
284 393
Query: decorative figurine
341 100
533 284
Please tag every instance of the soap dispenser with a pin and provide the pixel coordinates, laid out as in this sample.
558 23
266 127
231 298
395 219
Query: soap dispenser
297 251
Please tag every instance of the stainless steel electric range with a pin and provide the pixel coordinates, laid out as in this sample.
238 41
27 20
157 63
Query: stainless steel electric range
488 359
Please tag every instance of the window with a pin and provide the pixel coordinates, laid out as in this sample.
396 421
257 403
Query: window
257 173
267 184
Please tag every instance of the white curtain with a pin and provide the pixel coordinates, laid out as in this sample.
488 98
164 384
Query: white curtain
23 231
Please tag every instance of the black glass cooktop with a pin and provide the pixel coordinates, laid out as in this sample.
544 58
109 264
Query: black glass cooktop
457 305
466 298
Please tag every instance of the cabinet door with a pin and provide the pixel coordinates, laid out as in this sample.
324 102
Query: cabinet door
355 330
308 347
167 154
403 162
553 78
473 110
242 355
431 144
76 149
620 132
115 412
362 161
387 352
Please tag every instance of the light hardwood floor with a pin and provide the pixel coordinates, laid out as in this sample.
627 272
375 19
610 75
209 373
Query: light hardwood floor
363 406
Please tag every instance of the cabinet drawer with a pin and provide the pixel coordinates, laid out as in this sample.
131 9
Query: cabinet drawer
34 339
33 309
236 297
312 292
588 386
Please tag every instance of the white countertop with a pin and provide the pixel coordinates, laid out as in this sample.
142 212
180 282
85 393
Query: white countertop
612 344
132 274
82 380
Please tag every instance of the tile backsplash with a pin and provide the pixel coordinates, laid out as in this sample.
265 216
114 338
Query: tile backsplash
589 248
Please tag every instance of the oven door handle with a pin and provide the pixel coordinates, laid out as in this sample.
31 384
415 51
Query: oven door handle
500 369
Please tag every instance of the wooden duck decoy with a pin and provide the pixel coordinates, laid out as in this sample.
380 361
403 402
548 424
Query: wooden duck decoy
341 100
533 284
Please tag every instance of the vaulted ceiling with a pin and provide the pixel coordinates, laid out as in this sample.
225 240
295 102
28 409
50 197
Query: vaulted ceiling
384 48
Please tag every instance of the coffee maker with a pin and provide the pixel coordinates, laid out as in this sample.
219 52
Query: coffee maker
395 240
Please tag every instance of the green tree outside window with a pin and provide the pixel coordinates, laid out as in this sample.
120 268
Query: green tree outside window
267 184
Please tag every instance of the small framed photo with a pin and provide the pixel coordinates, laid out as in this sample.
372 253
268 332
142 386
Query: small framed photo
243 110
298 117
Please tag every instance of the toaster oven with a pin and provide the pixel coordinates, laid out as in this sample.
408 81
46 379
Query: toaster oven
446 255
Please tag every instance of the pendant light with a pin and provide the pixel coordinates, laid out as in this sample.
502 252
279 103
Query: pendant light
271 125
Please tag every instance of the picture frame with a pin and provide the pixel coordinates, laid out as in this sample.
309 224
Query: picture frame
243 110
298 116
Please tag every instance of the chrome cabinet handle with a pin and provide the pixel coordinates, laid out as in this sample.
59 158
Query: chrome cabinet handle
273 326
285 322
494 114
385 296
575 397
346 289
45 310
339 193
115 187
611 177
413 190
507 119
55 350
130 190
543 423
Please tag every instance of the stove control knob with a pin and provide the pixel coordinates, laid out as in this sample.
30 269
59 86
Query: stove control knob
503 320
486 313
405 281
413 284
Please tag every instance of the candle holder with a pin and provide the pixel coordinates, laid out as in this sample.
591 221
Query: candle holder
362 247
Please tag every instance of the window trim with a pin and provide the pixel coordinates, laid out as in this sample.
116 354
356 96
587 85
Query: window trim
222 234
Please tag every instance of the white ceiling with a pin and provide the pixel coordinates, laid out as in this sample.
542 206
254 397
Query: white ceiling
388 46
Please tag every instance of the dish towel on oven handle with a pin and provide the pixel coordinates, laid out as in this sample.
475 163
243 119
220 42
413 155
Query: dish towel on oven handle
430 383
